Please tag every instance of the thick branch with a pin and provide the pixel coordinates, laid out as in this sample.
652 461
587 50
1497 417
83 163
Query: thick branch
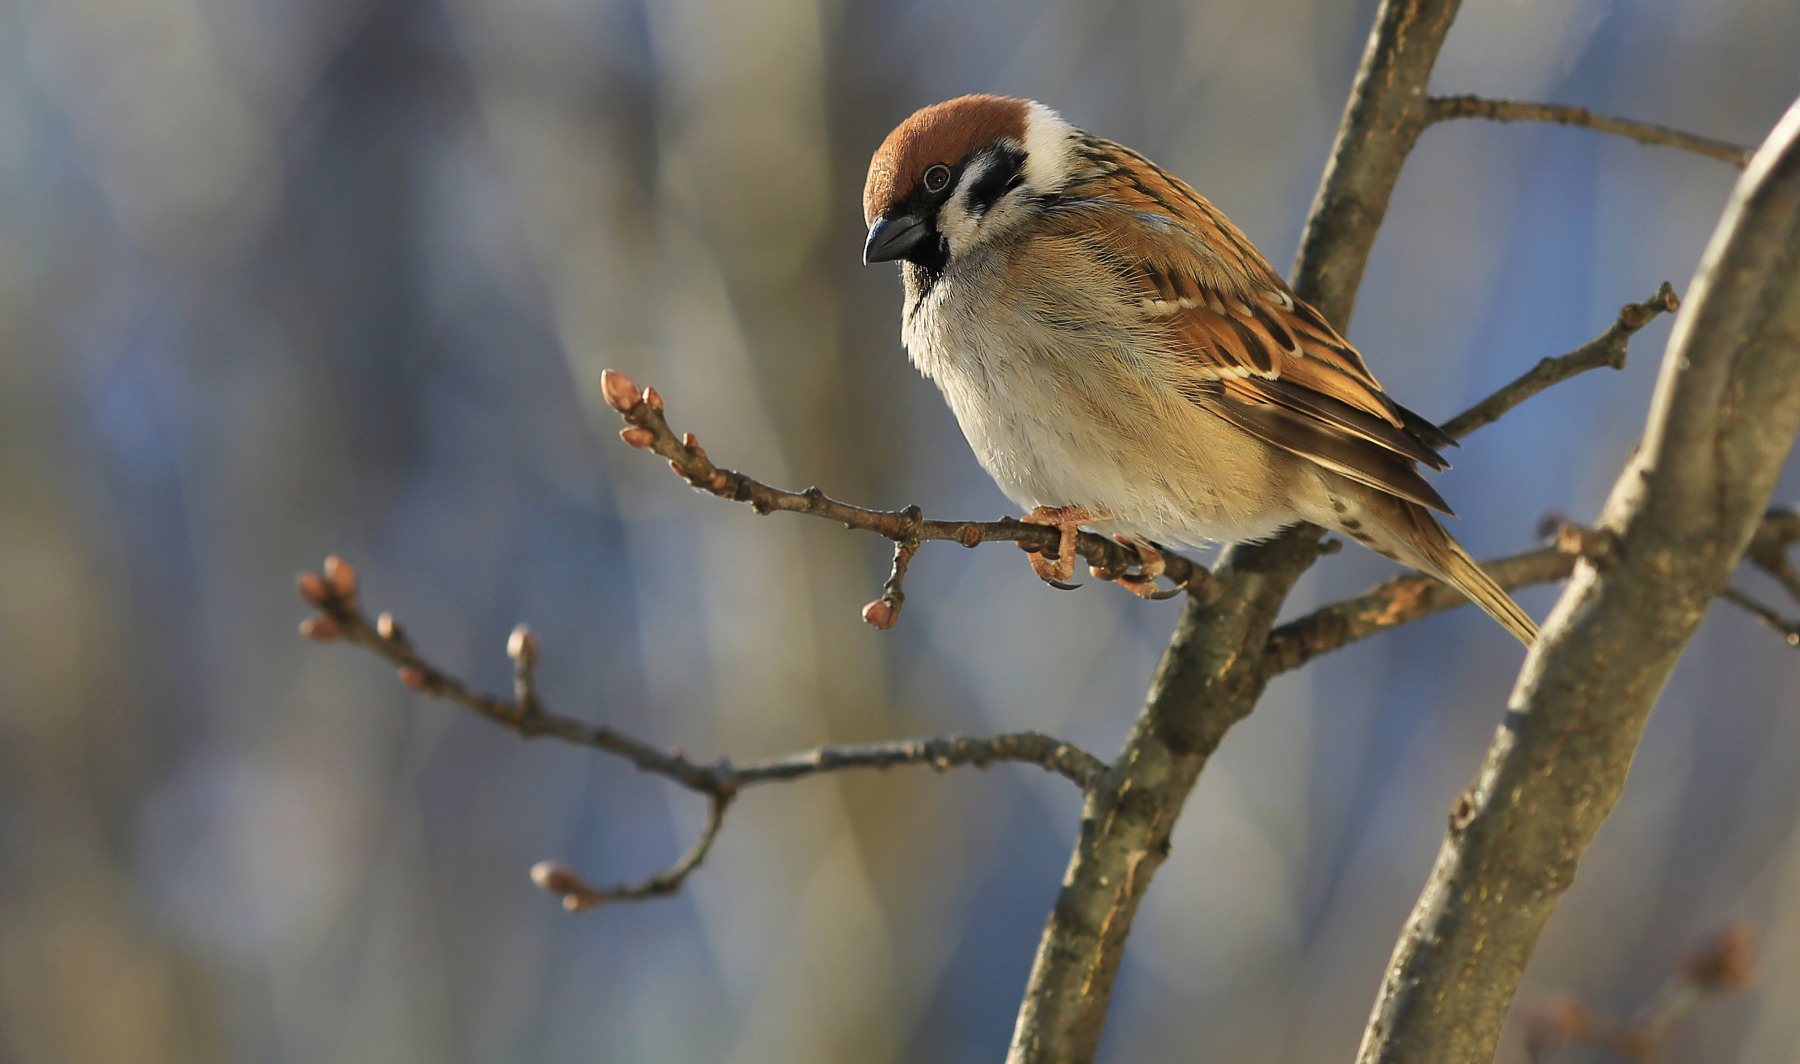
1722 423
340 617
1448 107
1607 349
1386 112
1212 673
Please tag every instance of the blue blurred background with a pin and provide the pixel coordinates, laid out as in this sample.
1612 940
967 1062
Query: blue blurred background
282 279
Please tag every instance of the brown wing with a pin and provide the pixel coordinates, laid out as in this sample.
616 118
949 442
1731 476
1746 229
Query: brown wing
1261 358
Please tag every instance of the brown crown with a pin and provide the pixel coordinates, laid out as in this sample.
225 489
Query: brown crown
942 133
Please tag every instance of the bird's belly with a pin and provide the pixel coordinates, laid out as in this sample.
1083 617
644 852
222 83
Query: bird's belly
1060 428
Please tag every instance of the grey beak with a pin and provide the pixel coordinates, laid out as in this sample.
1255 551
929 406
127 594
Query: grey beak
893 238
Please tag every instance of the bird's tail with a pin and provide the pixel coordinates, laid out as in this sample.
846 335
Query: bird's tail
1424 545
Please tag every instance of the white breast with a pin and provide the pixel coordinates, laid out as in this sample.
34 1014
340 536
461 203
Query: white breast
1068 398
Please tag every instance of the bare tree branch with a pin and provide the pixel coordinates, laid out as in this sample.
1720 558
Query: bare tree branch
334 594
1408 598
1607 349
578 895
648 430
1779 530
1395 602
1788 630
1444 108
1383 118
1722 423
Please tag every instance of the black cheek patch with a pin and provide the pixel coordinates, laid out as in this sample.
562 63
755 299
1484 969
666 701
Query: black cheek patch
932 255
1007 173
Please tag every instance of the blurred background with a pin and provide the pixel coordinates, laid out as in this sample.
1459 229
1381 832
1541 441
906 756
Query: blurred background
279 279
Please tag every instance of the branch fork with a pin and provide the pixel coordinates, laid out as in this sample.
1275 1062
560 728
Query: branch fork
333 594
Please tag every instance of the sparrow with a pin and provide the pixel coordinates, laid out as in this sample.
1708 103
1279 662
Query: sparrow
1121 358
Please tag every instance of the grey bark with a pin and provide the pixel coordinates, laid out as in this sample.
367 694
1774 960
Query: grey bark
1724 417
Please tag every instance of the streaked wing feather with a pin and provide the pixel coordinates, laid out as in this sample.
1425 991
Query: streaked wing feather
1281 371
1327 445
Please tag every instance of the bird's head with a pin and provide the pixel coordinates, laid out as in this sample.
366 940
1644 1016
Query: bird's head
960 173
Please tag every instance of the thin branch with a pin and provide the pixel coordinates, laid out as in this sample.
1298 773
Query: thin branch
1395 602
648 430
1443 108
1408 598
1607 349
333 593
1780 529
884 611
1789 630
1681 515
554 877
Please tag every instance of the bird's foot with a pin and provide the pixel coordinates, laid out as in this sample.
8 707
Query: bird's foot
1067 520
1150 566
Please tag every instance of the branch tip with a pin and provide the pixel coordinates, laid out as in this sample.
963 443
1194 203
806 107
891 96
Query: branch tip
522 647
1610 349
621 391
1445 108
314 591
321 629
340 618
341 575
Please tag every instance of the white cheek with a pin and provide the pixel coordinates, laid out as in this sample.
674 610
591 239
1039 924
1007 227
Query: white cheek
957 225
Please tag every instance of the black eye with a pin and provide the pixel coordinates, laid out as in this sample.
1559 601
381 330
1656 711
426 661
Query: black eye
936 178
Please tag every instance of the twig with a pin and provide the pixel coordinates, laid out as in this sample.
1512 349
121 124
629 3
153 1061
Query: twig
1443 108
648 430
554 877
333 593
1395 602
1780 530
1408 598
1790 630
884 611
1607 349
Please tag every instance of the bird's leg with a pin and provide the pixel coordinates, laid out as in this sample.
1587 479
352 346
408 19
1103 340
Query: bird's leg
1067 520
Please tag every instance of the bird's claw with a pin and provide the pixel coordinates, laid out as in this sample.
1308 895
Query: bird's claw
1067 520
1150 566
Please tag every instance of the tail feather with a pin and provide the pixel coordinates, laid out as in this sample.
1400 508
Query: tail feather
1422 543
1455 567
